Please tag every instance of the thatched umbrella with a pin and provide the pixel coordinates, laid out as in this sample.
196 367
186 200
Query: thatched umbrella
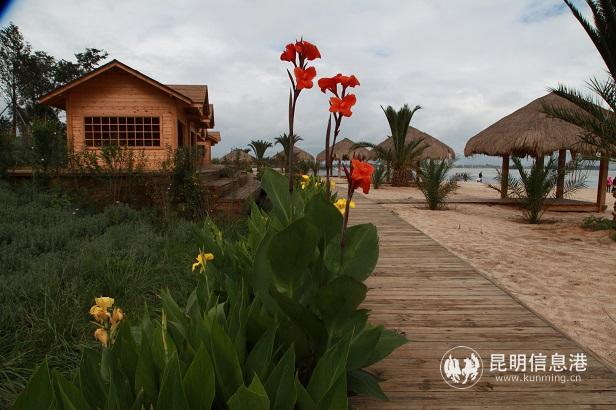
344 150
237 155
298 154
435 149
529 131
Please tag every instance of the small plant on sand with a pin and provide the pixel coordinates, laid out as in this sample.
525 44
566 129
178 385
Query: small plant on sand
535 186
594 223
380 175
432 181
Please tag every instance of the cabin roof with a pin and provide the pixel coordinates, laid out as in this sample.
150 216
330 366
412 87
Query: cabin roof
189 94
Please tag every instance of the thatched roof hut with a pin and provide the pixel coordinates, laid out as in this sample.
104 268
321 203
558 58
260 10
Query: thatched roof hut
298 153
237 155
435 149
528 131
344 150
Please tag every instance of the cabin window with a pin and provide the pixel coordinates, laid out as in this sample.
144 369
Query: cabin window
124 131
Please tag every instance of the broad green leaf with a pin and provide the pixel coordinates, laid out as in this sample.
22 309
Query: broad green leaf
252 398
125 350
262 273
259 359
200 382
388 342
362 347
362 382
90 380
226 363
337 301
276 186
69 395
38 394
304 401
324 216
360 254
162 347
336 397
292 250
171 395
146 375
329 368
120 395
280 384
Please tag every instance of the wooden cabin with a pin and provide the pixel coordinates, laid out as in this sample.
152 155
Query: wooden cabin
116 104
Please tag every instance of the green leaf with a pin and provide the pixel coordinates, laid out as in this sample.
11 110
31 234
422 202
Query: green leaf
225 360
362 347
162 347
304 318
330 367
90 380
292 250
120 395
38 394
199 381
304 401
146 374
388 342
362 382
361 252
324 216
171 395
280 385
69 395
260 357
336 397
277 189
252 398
337 301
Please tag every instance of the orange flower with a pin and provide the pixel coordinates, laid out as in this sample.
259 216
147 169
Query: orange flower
328 83
361 175
288 54
342 105
347 81
303 78
308 50
102 336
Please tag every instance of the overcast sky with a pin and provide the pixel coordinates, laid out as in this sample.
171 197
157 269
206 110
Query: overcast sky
467 62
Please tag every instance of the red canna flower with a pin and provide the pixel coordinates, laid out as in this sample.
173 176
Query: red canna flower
347 81
328 83
342 105
288 54
303 78
308 50
361 175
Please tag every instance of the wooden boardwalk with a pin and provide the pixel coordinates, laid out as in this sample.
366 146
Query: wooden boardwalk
439 301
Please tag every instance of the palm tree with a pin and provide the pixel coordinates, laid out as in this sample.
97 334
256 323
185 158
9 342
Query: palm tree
402 155
259 147
432 181
285 141
598 123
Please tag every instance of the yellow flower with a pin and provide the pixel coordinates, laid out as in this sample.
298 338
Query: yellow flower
341 205
102 336
305 181
332 184
202 259
117 316
99 314
104 302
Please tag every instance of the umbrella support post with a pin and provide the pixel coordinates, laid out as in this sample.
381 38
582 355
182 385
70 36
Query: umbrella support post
505 177
602 188
560 181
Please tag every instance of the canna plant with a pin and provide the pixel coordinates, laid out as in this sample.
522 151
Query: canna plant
432 181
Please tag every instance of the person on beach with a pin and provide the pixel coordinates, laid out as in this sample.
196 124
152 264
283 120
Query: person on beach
480 179
610 184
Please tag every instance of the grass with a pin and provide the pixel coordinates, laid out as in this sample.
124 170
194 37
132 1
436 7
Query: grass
56 258
598 223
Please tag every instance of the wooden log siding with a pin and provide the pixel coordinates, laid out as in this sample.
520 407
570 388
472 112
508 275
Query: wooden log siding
440 301
117 93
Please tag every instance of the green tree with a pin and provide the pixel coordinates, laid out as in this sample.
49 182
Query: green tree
402 155
259 147
287 142
598 123
432 181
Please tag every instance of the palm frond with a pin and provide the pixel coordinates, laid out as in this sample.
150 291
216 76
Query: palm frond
432 181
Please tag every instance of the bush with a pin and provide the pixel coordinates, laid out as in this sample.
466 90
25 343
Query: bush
50 149
594 223
274 321
380 175
433 183
189 196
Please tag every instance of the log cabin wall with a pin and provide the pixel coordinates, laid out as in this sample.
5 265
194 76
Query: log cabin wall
117 93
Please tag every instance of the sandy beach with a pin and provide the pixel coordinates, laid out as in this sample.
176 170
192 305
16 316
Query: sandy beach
564 273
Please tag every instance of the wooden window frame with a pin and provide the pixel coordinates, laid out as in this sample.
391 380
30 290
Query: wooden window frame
127 131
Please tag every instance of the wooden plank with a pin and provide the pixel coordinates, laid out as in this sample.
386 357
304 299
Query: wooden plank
439 301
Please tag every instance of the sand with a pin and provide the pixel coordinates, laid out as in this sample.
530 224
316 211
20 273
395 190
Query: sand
562 272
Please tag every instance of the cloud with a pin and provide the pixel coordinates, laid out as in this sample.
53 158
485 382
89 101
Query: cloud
467 63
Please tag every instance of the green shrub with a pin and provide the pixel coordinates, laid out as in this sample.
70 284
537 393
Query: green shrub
379 176
189 196
594 223
49 143
432 181
274 321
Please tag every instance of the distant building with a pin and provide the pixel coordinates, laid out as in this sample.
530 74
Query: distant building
116 104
